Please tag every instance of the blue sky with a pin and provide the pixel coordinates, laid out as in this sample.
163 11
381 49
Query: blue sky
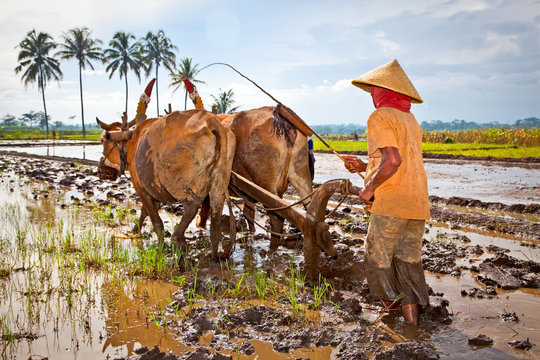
476 60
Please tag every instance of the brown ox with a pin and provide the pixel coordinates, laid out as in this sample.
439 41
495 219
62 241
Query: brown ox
181 157
271 153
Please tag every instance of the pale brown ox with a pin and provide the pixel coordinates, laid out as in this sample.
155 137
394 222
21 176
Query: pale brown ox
181 157
271 153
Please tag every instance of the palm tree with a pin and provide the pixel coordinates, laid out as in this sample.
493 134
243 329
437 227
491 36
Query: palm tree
79 44
39 66
224 102
157 49
124 54
188 71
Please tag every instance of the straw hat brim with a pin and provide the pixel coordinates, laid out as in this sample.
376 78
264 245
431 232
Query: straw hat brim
389 76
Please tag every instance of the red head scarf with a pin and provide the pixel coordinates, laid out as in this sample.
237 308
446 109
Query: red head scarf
388 98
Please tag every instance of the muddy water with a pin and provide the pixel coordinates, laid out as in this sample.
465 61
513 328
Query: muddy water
484 181
100 316
472 316
85 151
476 180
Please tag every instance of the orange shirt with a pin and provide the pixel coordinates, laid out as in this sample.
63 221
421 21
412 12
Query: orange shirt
405 194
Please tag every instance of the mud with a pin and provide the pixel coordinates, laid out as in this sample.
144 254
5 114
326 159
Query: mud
349 326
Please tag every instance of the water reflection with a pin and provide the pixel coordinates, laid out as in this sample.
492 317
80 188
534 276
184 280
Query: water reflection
82 151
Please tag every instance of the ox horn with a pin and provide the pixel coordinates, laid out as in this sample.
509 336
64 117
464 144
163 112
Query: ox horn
106 127
143 102
193 93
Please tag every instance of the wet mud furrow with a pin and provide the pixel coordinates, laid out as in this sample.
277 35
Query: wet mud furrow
334 317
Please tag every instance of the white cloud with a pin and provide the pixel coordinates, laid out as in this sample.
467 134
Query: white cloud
492 46
386 45
451 8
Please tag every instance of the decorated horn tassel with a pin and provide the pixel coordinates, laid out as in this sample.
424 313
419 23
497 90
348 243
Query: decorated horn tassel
193 93
143 102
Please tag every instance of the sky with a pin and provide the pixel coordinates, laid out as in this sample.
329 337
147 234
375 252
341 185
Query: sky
472 60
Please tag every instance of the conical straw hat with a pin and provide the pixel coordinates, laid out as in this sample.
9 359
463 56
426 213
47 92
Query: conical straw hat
389 76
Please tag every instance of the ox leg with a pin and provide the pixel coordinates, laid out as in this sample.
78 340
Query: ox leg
204 213
190 210
249 214
151 207
144 214
138 226
276 226
215 224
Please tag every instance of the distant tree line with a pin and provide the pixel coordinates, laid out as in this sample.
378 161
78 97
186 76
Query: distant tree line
339 129
437 125
39 63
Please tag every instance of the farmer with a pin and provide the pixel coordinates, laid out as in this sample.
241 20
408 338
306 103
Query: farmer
395 191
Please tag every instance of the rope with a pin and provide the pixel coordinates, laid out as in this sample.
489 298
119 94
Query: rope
343 189
264 227
280 103
244 76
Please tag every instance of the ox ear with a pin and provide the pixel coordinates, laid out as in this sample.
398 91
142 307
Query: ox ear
104 126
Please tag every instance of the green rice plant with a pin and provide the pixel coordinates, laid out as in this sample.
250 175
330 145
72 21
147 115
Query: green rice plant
238 289
261 283
151 261
341 145
179 280
295 284
6 334
320 291
387 308
192 295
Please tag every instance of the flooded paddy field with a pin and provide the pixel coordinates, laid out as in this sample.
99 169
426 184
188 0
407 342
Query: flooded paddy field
75 282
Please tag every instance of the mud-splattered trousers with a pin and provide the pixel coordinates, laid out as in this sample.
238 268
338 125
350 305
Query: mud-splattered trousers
393 259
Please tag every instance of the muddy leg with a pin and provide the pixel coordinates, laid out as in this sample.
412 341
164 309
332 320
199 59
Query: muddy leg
152 207
276 226
190 210
410 313
249 214
137 227
227 250
216 205
204 213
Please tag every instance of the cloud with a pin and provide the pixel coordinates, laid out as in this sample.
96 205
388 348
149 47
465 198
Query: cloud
491 46
450 8
387 46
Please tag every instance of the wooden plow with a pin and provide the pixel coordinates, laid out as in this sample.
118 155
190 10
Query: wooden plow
310 222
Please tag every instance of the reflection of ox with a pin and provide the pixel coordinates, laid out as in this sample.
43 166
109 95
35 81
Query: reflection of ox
271 153
181 157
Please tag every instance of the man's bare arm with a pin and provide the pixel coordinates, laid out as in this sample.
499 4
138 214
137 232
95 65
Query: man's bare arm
390 162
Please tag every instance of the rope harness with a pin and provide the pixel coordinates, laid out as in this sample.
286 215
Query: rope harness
343 189
123 156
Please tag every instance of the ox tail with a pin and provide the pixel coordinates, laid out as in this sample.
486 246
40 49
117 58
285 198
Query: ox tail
283 127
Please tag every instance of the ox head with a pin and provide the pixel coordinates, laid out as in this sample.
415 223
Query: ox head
115 137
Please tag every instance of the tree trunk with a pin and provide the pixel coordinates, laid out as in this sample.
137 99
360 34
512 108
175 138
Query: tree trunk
185 101
125 76
82 105
157 92
44 106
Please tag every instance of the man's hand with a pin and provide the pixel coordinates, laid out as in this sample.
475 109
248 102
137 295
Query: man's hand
353 164
367 195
